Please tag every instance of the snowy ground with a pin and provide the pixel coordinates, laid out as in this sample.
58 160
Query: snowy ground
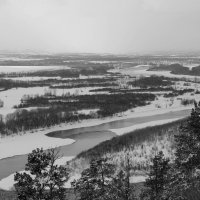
138 179
23 144
40 78
13 96
32 78
87 111
18 59
91 76
10 69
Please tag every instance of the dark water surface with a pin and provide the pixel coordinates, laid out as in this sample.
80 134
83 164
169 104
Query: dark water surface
85 138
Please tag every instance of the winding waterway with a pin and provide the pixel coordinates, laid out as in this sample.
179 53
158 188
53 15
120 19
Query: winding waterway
86 138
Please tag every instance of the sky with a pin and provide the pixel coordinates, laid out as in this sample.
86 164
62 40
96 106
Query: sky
100 26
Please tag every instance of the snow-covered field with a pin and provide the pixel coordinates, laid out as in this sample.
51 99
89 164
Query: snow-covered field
13 96
87 111
40 78
91 76
23 144
18 59
32 78
10 69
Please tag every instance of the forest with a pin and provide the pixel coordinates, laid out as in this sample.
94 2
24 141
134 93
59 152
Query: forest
152 81
108 104
131 139
63 110
9 84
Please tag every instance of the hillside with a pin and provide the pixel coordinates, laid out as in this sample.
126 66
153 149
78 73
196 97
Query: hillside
141 146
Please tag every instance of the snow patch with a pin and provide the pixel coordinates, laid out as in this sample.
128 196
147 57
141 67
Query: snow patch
11 69
137 179
23 144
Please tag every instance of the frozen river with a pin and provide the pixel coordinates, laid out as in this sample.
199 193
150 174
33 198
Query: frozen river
87 138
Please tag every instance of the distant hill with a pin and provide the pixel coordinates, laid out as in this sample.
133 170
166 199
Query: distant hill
177 69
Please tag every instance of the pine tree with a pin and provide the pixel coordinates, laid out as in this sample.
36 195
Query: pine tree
121 188
157 182
188 152
174 190
43 179
85 186
94 181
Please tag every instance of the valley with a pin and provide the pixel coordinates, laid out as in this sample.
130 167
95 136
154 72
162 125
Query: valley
77 102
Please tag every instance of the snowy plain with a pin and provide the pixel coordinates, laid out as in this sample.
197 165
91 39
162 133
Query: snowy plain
23 144
17 69
13 96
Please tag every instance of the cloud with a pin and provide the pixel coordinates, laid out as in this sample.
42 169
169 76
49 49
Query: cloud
171 5
117 26
154 5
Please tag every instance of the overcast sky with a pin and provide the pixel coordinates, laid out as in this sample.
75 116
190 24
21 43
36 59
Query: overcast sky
100 26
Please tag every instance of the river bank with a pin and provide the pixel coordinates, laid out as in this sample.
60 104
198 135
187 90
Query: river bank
25 142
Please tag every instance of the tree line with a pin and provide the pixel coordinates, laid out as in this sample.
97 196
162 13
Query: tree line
55 110
24 120
108 104
152 81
